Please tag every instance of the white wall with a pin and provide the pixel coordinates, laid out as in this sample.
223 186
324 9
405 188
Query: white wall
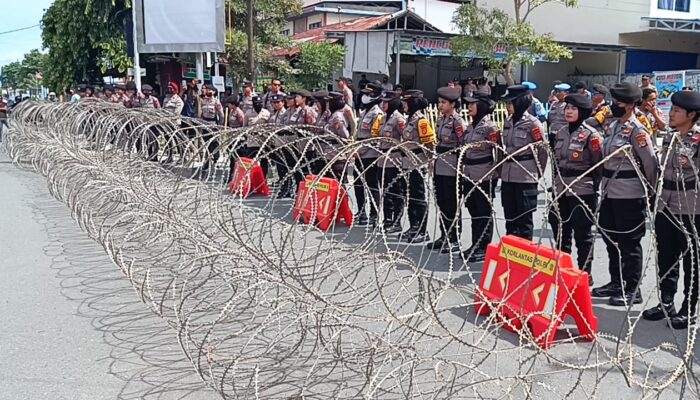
436 12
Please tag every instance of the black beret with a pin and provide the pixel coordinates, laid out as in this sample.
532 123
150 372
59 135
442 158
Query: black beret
477 97
302 93
147 87
276 97
579 100
373 88
626 92
413 93
390 95
320 94
210 87
334 95
247 83
449 93
233 99
256 99
689 101
291 96
602 89
513 92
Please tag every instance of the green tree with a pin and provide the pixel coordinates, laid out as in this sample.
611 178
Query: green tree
11 74
84 38
314 65
269 18
483 30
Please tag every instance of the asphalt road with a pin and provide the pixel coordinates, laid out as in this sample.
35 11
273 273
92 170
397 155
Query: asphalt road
75 329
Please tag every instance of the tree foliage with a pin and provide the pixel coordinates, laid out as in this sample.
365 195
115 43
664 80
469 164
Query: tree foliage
270 17
84 38
22 75
482 31
315 65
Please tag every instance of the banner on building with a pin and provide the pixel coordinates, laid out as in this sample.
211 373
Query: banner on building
667 83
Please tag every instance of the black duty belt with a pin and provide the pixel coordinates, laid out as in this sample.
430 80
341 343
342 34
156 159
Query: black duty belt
629 174
570 173
478 161
679 186
286 133
442 149
524 157
210 119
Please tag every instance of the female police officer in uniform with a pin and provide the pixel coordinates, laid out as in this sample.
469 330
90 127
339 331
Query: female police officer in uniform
677 221
417 136
389 162
482 140
451 128
524 165
365 162
577 149
624 192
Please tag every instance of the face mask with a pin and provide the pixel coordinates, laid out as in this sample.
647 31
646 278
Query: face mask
617 111
366 99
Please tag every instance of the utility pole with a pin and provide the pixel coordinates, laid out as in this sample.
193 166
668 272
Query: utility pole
251 32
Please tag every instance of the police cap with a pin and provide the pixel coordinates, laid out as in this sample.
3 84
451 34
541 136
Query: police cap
514 92
626 92
276 97
334 95
373 88
302 93
579 100
530 85
601 89
246 83
689 101
449 93
319 94
562 87
389 95
147 87
411 94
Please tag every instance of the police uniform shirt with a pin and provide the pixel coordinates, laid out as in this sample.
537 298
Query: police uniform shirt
149 103
212 110
391 130
350 119
246 102
482 141
304 116
278 117
338 125
556 119
681 166
348 96
576 153
252 117
367 122
522 166
173 103
236 118
450 131
626 183
416 133
324 118
287 116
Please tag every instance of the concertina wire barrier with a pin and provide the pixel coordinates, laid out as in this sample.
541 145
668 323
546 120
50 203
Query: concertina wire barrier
265 307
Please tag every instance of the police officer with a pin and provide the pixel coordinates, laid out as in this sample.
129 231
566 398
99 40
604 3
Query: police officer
321 106
451 129
389 161
536 108
246 100
366 158
577 150
291 107
524 165
555 118
601 110
212 114
419 138
236 118
275 90
254 141
482 142
677 221
147 102
304 114
282 157
338 127
624 195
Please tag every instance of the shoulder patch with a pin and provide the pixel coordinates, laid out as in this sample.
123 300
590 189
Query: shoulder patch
494 135
423 127
641 140
402 123
537 133
459 129
595 143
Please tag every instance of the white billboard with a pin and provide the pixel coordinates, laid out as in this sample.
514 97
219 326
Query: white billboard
183 26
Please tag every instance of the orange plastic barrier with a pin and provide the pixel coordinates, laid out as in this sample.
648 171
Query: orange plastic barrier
534 286
318 202
248 177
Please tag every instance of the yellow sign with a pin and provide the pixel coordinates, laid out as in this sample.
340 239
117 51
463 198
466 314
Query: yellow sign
528 259
246 165
324 187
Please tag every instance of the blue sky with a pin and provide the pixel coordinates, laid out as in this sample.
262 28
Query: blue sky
19 14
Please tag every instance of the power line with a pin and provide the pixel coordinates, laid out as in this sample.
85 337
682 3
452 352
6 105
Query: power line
20 29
